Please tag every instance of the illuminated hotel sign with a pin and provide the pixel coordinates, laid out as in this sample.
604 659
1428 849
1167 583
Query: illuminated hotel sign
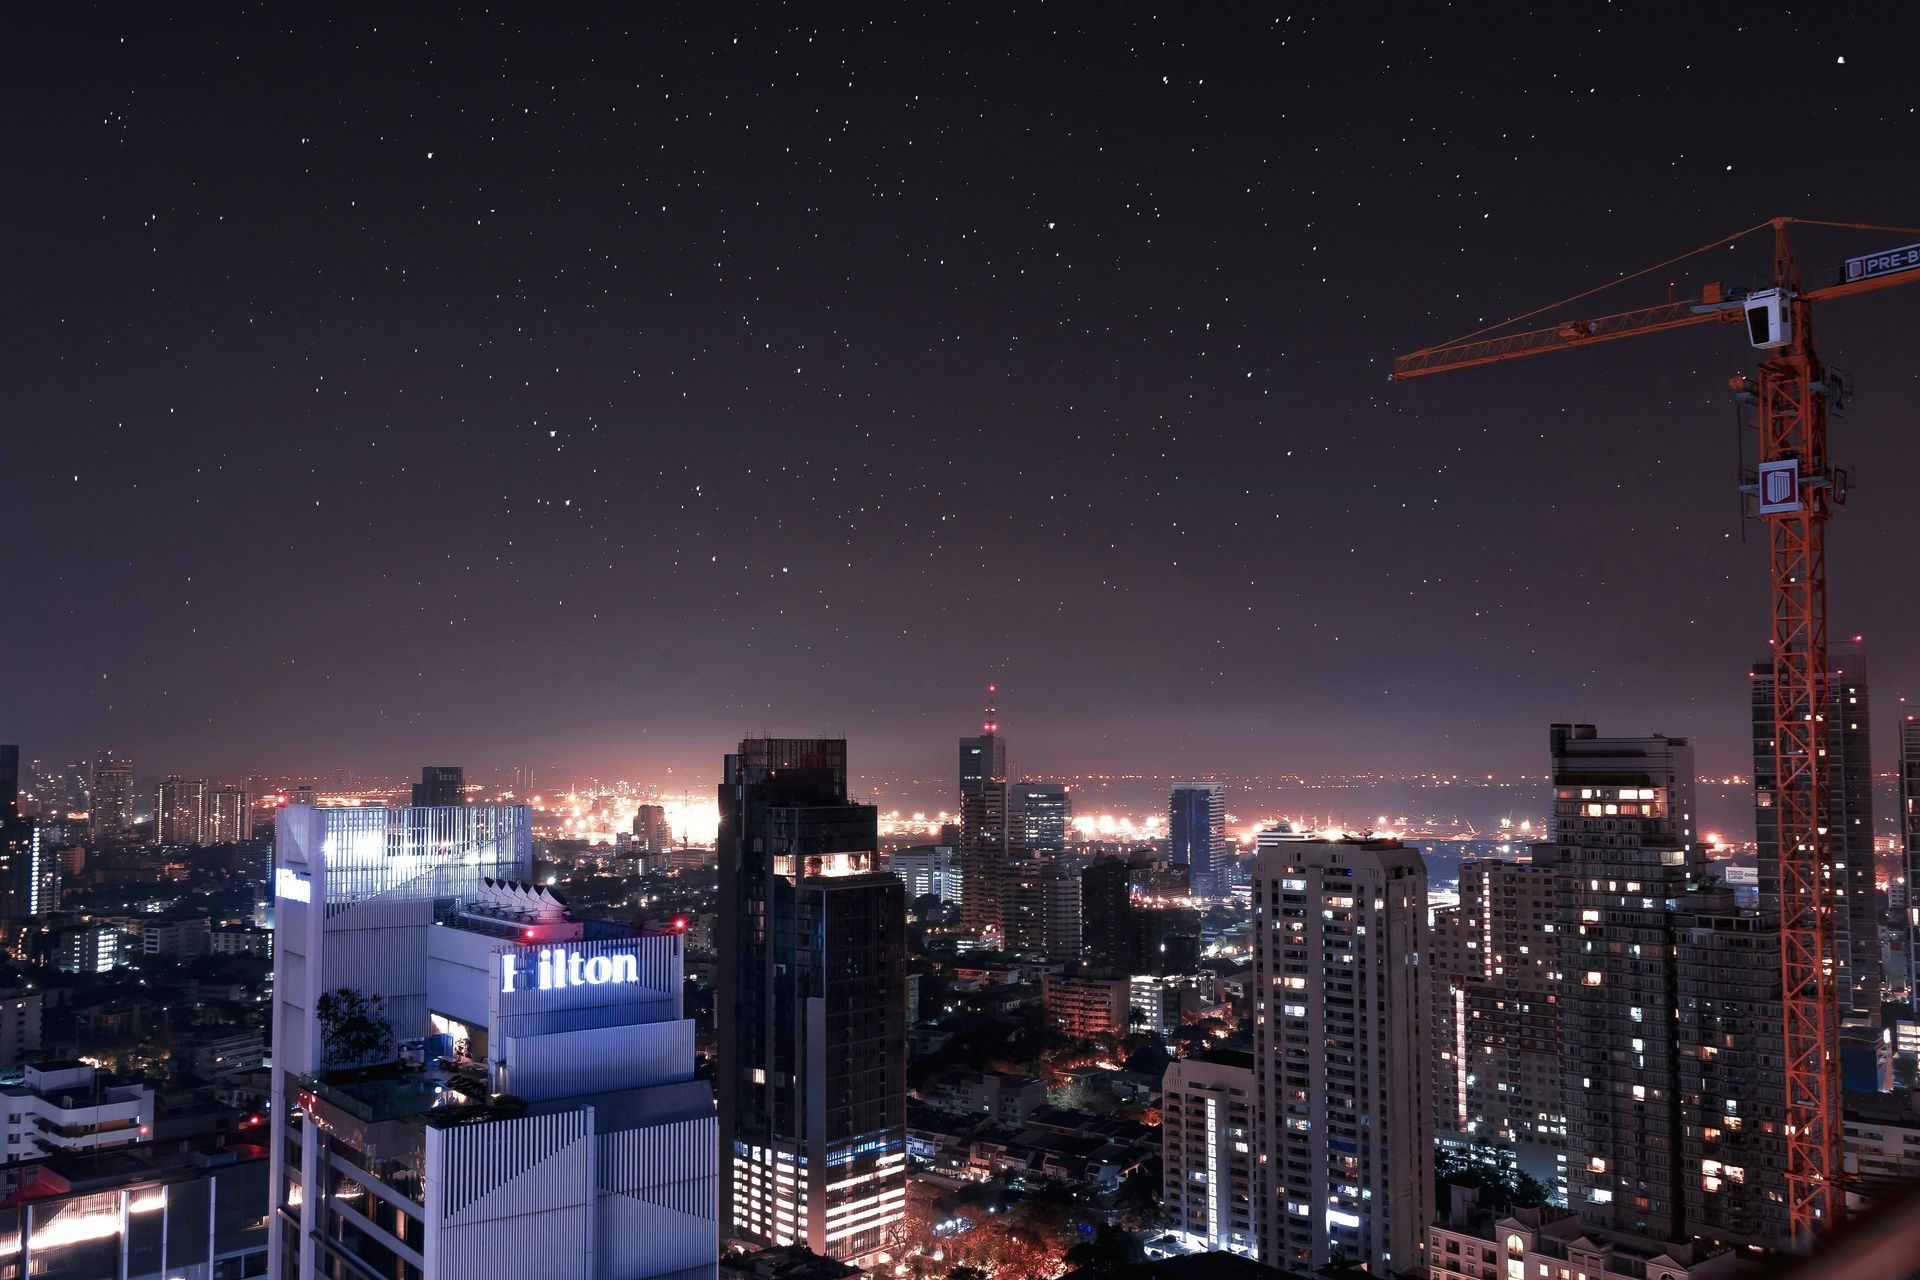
559 967
292 886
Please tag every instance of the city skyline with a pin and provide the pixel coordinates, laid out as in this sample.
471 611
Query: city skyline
1004 351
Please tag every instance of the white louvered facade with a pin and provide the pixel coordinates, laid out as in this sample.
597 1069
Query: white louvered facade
544 1120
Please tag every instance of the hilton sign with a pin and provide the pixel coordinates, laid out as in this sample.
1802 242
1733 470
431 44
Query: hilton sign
559 967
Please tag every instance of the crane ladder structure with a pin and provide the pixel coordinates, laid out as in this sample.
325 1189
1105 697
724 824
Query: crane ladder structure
1795 486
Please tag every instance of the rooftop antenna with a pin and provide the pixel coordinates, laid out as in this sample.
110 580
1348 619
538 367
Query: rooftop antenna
992 724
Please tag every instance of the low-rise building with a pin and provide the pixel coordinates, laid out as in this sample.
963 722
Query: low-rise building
88 948
1084 1007
65 1105
240 940
1474 1245
999 1096
215 1052
175 938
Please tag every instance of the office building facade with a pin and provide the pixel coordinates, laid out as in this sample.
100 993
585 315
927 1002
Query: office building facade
1342 1054
1046 815
1197 835
541 1117
811 1017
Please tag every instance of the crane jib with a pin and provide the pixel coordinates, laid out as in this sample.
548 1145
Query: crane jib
1886 262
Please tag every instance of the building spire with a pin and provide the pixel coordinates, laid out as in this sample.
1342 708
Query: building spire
991 725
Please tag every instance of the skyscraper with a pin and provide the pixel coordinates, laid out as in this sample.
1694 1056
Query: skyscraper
1496 1018
811 1014
440 784
229 815
1910 836
111 814
1197 834
1856 920
1045 812
180 811
986 827
1342 1054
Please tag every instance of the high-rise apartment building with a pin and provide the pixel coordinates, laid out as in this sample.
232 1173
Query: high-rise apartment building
553 1126
1209 1174
229 815
1910 837
111 816
811 1015
1623 852
986 829
651 834
29 871
180 811
1856 901
1496 1019
1733 1103
1197 834
1046 813
1041 908
1342 1055
440 784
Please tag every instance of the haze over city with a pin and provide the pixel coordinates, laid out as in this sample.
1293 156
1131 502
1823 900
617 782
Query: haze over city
592 391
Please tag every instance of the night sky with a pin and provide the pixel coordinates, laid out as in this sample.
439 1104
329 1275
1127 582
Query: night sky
387 386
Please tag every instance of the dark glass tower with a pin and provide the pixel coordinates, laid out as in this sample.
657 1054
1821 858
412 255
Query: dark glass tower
1197 834
1106 909
812 1007
440 785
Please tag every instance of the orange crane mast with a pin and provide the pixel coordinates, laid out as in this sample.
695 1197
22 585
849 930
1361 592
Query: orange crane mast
1795 486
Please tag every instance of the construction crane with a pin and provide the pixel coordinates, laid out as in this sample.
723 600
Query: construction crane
1794 488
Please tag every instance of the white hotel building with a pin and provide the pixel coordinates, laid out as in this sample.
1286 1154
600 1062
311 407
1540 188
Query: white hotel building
542 1119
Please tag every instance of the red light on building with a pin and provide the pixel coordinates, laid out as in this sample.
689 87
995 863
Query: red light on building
679 924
